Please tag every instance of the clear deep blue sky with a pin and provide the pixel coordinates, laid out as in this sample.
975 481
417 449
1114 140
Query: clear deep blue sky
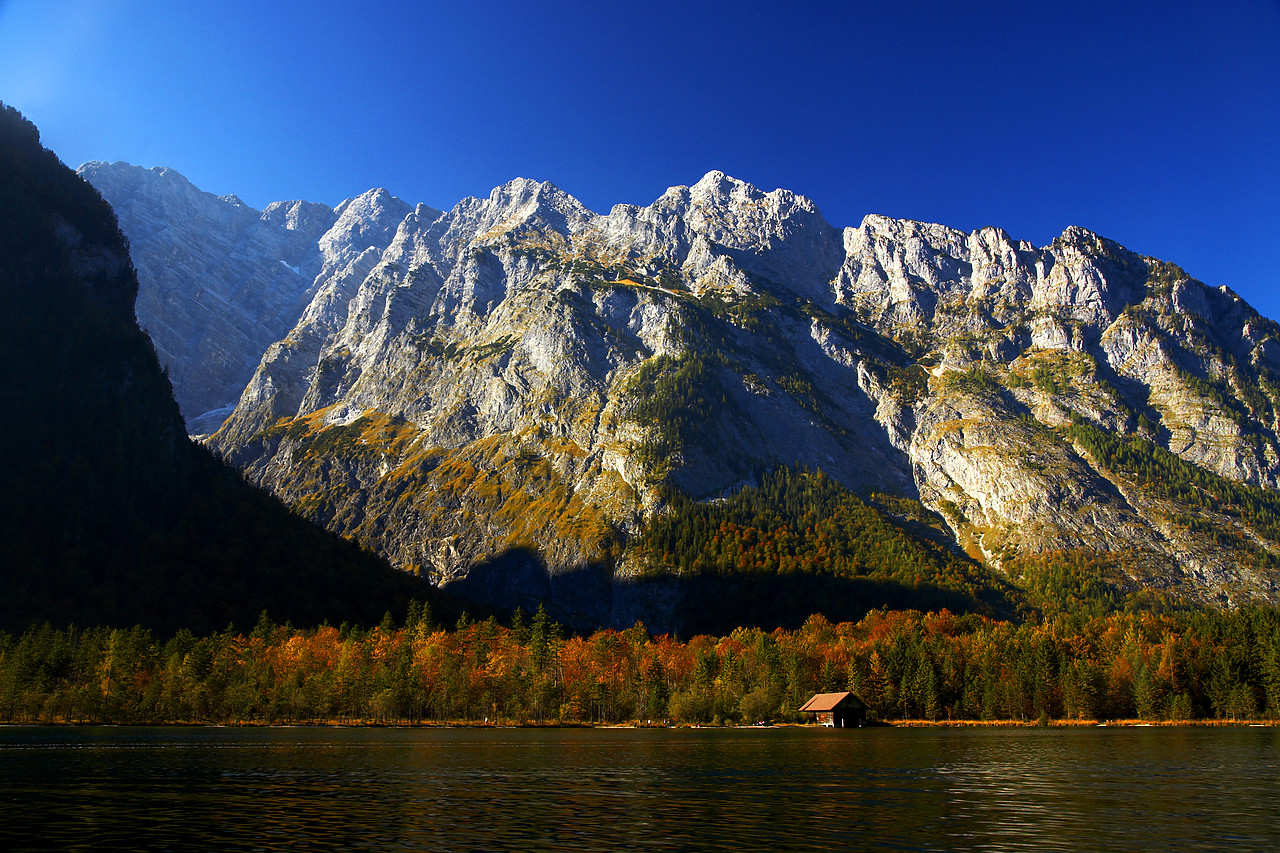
1154 123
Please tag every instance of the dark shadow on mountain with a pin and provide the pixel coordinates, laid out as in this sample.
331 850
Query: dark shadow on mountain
709 604
580 599
591 597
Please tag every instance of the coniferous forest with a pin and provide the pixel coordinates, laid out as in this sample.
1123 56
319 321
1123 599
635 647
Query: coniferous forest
905 664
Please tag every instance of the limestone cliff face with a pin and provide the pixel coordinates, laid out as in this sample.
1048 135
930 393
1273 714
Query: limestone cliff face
521 374
220 281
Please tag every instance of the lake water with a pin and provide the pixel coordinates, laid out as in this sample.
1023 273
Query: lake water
653 789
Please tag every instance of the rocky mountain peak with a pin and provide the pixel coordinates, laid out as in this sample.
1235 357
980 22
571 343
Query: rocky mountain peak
520 191
1090 278
162 195
426 214
517 215
310 219
720 190
537 206
724 234
364 224
717 186
368 219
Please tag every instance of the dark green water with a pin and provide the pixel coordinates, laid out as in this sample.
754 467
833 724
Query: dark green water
540 789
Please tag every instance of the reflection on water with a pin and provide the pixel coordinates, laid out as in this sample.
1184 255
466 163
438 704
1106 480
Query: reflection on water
529 789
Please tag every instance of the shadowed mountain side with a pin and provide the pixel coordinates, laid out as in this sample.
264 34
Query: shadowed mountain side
716 605
581 600
223 553
587 598
108 513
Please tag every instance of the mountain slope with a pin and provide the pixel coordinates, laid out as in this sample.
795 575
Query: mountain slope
523 376
108 513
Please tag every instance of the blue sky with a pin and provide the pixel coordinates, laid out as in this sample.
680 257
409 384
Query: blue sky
1156 124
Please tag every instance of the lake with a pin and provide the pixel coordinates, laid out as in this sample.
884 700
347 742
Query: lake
1167 789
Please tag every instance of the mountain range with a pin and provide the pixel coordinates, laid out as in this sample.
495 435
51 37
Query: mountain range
516 398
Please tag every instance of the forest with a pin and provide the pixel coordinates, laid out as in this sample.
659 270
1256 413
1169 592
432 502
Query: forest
907 665
797 523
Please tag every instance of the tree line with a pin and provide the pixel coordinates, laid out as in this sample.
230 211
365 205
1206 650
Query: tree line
903 664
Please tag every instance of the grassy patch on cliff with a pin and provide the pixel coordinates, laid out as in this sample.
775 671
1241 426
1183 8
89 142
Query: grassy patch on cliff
1165 475
373 477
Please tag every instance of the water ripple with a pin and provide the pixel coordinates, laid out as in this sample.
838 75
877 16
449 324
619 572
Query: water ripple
659 790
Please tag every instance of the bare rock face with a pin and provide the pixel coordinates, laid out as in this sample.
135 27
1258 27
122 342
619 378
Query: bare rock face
521 375
220 281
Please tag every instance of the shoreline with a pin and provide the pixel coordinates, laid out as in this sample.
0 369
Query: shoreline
515 724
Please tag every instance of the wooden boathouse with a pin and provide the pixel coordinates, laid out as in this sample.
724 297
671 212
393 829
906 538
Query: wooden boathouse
841 710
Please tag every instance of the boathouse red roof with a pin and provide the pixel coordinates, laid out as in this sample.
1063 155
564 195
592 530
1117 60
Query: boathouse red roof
825 701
